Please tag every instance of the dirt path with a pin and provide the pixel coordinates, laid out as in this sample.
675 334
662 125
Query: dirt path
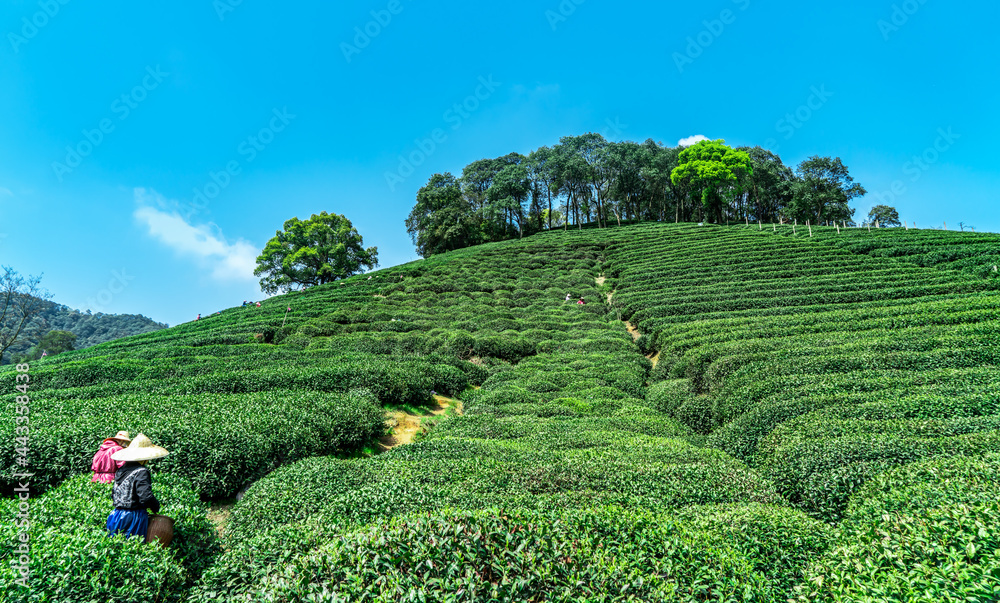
219 514
632 329
405 425
600 283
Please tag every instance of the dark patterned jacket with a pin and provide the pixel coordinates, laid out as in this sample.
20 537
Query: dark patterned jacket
133 489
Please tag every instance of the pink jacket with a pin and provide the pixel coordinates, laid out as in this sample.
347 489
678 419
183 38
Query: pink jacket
104 468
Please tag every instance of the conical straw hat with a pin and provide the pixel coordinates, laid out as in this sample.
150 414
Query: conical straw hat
141 449
121 436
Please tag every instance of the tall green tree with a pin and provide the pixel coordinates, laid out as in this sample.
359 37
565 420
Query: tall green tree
443 218
713 172
572 180
623 163
51 344
322 249
541 162
590 169
769 186
665 194
884 216
507 194
824 190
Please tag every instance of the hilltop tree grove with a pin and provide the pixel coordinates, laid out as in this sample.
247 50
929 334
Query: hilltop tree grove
588 180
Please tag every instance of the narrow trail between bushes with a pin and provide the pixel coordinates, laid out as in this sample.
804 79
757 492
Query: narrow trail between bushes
219 514
631 328
406 425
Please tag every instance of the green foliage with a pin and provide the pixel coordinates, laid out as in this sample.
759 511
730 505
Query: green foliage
712 171
220 442
21 303
322 249
823 191
601 554
883 216
792 372
442 220
925 531
52 343
72 559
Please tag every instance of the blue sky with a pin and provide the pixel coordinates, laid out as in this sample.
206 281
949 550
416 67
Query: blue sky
116 115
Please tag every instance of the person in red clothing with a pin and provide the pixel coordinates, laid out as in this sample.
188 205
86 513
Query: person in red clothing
103 466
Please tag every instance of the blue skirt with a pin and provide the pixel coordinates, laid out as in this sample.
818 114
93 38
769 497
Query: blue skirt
130 523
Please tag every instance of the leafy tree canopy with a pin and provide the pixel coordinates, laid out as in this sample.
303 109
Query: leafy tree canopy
713 171
824 190
322 249
442 219
769 187
883 215
51 344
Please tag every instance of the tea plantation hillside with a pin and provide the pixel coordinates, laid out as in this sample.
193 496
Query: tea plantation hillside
733 415
969 252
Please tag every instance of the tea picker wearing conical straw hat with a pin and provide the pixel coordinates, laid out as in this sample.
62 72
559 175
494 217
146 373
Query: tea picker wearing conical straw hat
132 493
103 467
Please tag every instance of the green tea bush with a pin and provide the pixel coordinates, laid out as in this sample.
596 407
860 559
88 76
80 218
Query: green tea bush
521 555
820 475
779 541
72 559
219 442
925 531
555 458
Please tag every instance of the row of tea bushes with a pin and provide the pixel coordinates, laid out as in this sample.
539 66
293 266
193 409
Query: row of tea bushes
768 402
976 253
72 559
926 531
220 442
599 554
755 330
566 428
539 470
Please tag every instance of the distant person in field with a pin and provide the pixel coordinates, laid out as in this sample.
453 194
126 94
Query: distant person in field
132 493
258 304
580 303
244 303
103 467
567 297
198 317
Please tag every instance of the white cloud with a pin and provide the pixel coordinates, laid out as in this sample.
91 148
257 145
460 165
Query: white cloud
690 140
227 261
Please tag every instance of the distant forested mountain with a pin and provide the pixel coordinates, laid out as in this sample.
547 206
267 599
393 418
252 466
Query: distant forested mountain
90 329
